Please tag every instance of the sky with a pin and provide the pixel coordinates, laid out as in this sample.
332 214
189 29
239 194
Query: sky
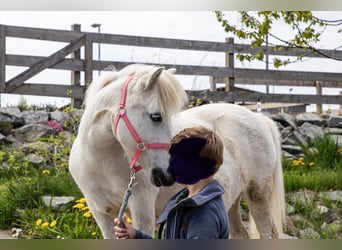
191 25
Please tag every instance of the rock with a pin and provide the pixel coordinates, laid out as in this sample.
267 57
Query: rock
59 116
4 140
311 118
335 122
310 131
308 233
5 127
34 116
33 158
332 196
32 132
56 201
285 119
295 150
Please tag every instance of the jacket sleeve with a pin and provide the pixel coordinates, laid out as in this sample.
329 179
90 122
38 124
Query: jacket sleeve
207 222
141 235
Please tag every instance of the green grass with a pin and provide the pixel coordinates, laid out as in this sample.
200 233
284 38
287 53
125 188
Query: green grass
23 183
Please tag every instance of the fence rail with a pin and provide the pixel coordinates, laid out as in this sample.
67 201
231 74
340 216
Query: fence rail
77 40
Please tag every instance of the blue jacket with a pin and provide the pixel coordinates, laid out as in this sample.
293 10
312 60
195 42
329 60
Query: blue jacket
202 216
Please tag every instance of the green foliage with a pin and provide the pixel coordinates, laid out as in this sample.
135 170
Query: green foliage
319 169
22 104
257 26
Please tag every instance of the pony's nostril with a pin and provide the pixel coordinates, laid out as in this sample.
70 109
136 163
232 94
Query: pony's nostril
160 178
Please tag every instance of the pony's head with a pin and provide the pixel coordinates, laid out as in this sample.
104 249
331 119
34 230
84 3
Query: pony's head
149 96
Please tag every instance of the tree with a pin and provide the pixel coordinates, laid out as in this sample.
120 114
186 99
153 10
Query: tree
257 28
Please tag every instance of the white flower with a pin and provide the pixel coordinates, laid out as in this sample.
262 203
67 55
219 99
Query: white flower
16 232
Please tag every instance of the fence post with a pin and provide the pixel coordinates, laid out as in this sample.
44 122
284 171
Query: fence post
88 60
229 81
2 59
75 74
318 85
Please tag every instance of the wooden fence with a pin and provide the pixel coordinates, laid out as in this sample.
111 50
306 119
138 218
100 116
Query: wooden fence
228 74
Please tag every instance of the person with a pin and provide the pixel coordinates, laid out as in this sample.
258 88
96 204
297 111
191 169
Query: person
197 211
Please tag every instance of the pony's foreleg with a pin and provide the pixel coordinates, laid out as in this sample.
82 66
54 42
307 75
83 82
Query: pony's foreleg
105 223
237 229
142 208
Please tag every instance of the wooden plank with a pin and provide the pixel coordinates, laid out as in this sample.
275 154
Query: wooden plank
88 60
329 80
54 90
2 59
43 34
28 61
254 97
43 64
278 75
68 36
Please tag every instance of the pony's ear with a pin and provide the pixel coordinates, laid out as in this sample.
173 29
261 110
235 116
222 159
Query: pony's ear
171 70
153 77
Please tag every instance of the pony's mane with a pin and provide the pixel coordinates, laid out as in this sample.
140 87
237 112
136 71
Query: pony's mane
169 97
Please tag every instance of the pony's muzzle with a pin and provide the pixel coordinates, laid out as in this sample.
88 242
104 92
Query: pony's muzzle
161 178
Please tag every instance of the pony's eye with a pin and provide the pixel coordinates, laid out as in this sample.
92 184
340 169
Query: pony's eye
156 117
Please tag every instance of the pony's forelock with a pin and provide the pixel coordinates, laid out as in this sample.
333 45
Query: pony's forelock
167 97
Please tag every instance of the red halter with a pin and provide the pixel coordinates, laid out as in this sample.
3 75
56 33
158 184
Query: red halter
141 146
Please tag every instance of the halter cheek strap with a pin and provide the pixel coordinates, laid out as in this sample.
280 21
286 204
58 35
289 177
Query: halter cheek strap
141 145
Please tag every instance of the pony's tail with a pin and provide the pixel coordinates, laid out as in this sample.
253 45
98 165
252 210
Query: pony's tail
278 191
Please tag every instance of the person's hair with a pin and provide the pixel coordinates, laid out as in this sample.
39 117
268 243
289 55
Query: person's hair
212 150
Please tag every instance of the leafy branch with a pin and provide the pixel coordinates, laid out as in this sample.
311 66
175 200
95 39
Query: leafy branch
257 27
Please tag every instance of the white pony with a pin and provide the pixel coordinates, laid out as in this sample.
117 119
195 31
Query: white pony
107 149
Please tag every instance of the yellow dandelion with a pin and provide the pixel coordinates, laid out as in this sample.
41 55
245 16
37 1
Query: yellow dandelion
85 208
295 163
339 150
311 164
82 200
30 232
53 223
46 171
39 222
45 224
87 214
79 206
93 233
301 159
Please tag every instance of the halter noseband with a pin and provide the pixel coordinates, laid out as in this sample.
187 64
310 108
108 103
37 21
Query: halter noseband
141 145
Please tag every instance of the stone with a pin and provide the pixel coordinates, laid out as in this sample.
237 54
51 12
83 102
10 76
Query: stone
33 158
310 131
309 117
335 122
32 132
34 116
285 119
308 233
56 201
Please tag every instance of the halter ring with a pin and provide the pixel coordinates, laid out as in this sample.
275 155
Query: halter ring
141 146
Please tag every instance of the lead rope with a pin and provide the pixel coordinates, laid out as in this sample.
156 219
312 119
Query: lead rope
128 193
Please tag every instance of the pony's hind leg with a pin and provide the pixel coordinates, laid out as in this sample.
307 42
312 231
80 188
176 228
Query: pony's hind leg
237 229
258 199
